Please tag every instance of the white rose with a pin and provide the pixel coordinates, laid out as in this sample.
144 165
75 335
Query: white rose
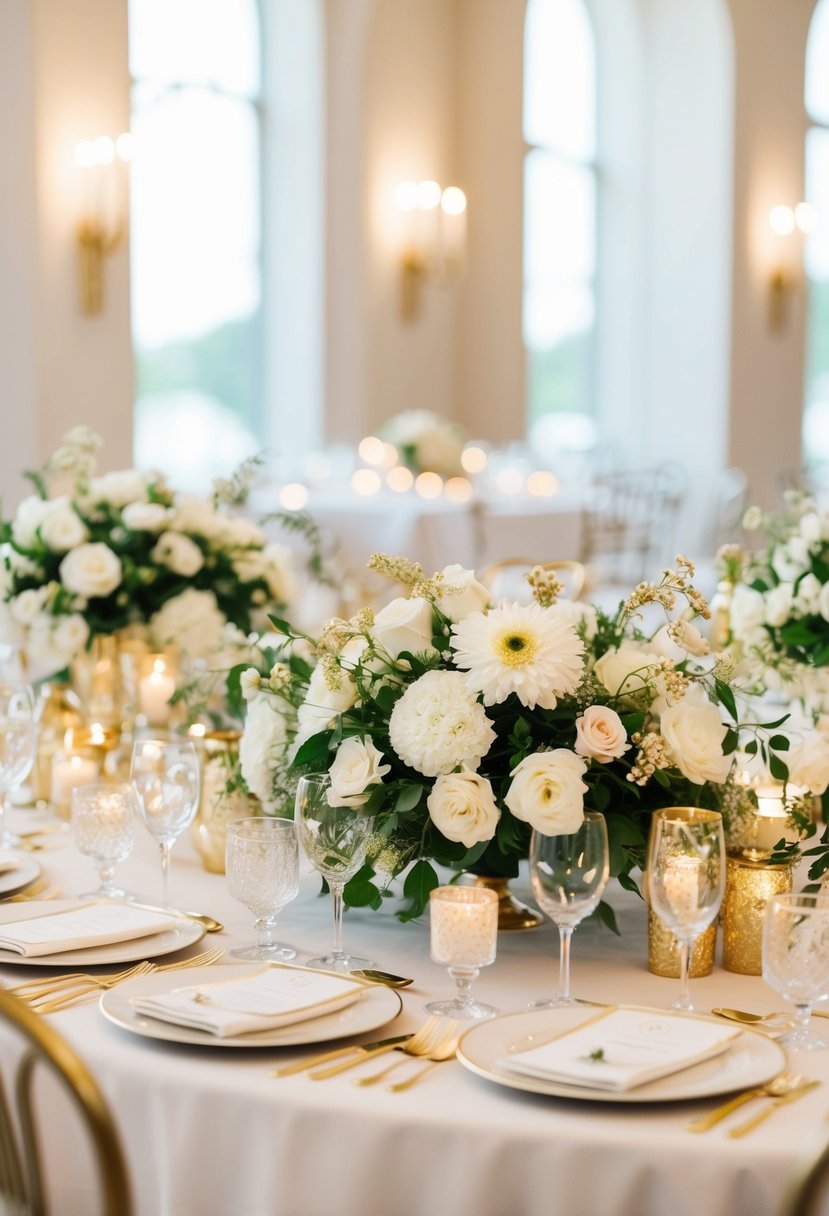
547 792
26 606
191 620
791 560
145 516
119 488
626 669
811 527
197 516
462 807
404 624
807 599
808 763
262 746
356 766
250 683
466 595
62 528
28 517
693 731
178 553
70 635
748 609
240 533
600 734
91 570
779 604
322 705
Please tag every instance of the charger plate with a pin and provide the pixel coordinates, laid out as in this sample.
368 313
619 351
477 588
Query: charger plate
752 1059
184 932
22 876
377 1006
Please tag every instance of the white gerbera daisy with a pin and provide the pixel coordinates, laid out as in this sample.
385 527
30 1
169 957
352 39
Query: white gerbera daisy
438 725
526 649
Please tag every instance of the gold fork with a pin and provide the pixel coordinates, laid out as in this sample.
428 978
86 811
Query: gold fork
776 1088
418 1044
439 1043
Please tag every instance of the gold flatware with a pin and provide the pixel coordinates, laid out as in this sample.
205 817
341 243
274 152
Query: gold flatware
440 1042
28 892
792 1096
417 1043
776 1088
210 923
383 977
364 1052
750 1019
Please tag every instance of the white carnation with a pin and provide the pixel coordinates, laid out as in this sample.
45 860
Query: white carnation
439 725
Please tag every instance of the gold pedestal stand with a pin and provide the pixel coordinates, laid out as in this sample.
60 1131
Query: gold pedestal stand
512 914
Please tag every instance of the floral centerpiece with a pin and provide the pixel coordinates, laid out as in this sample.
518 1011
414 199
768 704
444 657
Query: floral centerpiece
91 555
463 725
426 442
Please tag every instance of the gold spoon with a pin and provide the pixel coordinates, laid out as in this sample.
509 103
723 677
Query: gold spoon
740 1015
383 977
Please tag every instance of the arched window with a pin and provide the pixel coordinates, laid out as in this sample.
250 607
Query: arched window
816 412
196 234
560 207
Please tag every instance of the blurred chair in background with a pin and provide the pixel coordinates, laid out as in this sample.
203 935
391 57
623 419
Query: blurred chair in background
506 579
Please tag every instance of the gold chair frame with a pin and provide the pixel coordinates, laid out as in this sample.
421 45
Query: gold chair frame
576 571
21 1176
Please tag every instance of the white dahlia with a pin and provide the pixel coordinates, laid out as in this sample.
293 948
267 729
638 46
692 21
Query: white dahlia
438 725
526 649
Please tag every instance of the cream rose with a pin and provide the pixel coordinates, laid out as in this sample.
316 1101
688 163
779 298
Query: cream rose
693 731
178 553
626 669
26 606
462 807
91 570
145 516
404 624
322 705
357 765
464 595
808 763
62 529
119 488
547 792
600 734
28 517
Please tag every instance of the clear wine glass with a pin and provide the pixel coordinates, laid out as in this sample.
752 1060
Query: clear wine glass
102 817
464 936
18 731
334 839
165 778
686 878
569 874
796 960
262 868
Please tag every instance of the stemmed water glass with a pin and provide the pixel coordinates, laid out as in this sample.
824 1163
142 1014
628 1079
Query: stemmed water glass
18 722
102 818
686 878
796 960
262 867
568 875
334 839
165 779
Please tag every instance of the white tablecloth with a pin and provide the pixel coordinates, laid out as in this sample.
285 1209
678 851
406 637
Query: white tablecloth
208 1133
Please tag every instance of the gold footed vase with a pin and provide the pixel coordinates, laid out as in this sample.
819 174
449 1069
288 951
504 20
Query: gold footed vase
512 913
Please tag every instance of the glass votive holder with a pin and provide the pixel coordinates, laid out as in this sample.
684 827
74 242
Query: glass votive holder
156 684
70 769
464 936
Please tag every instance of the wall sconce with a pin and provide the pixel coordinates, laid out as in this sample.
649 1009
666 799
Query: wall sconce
103 224
434 240
786 222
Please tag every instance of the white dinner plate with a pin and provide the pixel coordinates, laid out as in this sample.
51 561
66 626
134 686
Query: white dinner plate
752 1059
12 881
183 933
375 1008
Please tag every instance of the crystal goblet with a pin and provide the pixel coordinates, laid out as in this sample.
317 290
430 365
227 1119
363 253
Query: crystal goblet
18 723
102 817
796 960
262 868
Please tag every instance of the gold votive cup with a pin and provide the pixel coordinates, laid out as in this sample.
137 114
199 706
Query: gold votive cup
749 885
663 950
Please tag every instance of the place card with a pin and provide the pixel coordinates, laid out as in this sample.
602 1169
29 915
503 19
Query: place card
89 925
620 1049
261 1000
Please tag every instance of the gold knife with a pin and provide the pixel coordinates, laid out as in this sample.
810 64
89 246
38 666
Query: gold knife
771 1107
364 1052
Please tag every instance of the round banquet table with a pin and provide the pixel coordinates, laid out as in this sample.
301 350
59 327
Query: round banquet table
207 1131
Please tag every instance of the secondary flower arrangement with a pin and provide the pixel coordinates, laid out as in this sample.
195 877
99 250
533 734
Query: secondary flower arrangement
426 442
463 725
90 555
779 610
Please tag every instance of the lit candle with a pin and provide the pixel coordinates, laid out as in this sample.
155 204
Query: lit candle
154 693
680 882
67 773
464 926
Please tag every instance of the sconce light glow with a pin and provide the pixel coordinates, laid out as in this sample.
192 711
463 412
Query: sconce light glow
293 496
365 482
542 483
453 201
429 485
104 150
372 450
405 196
474 459
124 146
458 489
85 154
428 195
400 479
781 219
806 217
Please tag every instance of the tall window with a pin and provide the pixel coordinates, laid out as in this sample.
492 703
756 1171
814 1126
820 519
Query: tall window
196 266
816 413
559 207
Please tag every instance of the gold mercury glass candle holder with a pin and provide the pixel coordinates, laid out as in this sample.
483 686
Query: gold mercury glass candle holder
663 945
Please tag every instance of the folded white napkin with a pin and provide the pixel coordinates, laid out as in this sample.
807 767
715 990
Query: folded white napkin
620 1049
262 1000
8 860
88 925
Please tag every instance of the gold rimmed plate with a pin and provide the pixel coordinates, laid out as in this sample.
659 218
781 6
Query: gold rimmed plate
751 1060
12 882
